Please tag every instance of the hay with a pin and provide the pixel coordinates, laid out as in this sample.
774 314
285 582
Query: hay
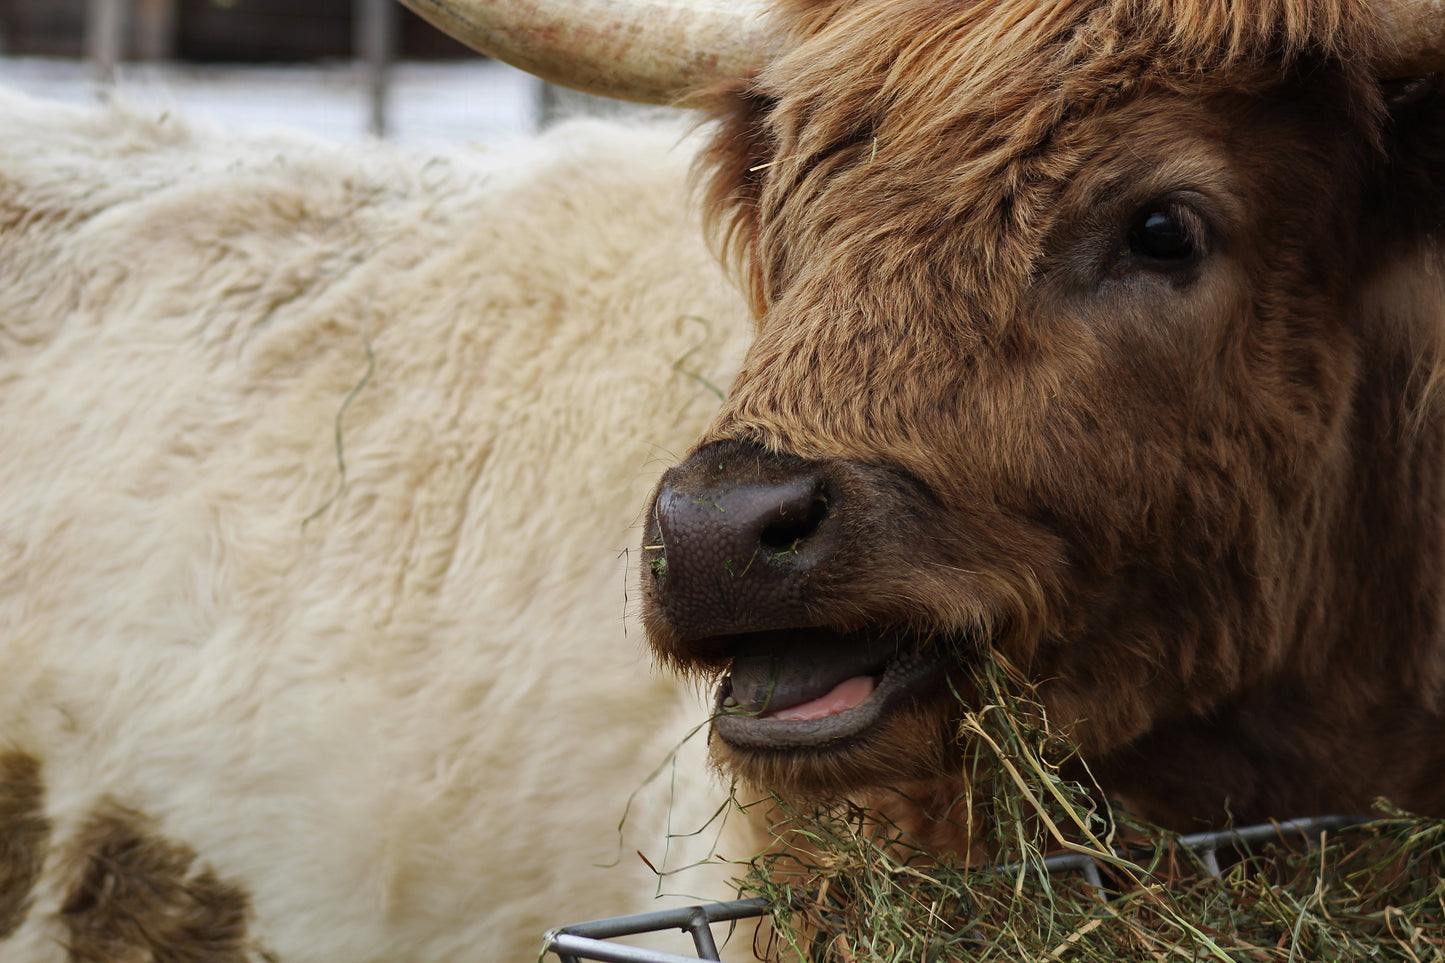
846 888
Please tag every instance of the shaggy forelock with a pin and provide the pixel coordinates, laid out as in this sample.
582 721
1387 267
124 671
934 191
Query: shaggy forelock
981 95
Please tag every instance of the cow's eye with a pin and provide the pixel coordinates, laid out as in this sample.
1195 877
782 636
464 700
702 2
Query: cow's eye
1161 234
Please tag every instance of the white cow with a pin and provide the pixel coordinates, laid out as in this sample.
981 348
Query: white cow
317 469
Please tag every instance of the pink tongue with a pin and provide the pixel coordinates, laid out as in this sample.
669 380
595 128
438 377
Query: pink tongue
845 695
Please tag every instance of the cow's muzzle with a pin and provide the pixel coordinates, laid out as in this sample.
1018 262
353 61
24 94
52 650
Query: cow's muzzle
757 568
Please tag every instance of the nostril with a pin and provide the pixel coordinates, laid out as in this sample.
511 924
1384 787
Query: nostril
740 540
794 526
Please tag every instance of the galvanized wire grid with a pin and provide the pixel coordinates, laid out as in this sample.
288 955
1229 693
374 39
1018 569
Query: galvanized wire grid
592 941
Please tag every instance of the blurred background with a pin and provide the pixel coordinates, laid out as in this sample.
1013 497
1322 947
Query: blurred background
341 69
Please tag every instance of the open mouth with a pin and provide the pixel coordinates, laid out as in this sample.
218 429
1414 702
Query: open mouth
814 687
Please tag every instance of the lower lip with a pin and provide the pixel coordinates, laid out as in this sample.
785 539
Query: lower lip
776 732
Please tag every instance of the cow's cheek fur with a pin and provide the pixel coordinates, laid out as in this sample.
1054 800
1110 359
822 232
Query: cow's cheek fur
1198 526
1200 575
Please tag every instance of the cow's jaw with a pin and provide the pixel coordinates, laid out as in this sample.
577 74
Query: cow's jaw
813 689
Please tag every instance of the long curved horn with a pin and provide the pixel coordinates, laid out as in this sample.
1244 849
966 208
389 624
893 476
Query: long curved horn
649 51
1418 29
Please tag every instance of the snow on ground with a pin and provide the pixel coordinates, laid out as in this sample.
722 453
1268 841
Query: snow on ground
474 101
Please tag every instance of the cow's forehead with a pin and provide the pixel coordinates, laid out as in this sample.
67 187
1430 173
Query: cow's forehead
969 120
1007 76
985 43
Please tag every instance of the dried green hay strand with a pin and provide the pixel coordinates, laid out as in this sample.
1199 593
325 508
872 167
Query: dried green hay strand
846 886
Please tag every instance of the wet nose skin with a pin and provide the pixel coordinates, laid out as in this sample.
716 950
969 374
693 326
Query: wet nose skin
733 554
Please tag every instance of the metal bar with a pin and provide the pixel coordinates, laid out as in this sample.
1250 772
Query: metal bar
1209 856
105 35
1206 845
1265 832
672 919
374 39
1059 862
587 941
702 936
589 949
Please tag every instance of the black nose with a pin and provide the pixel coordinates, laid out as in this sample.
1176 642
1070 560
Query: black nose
734 539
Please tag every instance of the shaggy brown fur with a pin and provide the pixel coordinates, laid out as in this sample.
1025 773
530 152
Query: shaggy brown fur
138 896
1198 498
24 835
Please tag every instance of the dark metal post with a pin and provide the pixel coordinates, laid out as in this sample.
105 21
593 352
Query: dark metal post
374 39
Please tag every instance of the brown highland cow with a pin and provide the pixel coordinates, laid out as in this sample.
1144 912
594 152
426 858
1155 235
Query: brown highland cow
1100 333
